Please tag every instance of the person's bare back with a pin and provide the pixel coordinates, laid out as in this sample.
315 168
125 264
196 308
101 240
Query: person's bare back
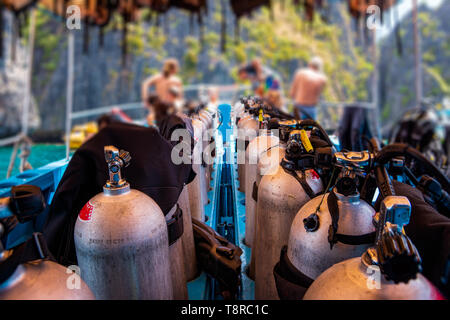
163 87
308 85
168 87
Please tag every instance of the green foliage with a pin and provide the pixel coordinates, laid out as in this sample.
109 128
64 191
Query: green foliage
192 51
288 40
443 85
47 40
283 43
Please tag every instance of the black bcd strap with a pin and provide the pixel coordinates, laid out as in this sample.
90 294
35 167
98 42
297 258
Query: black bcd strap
301 179
175 226
291 283
255 191
33 249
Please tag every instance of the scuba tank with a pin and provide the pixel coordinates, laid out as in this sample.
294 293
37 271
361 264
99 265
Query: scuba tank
390 270
205 140
364 278
329 228
256 147
270 159
280 196
121 240
208 140
238 111
27 271
176 254
341 212
294 273
202 167
197 186
267 165
248 128
188 236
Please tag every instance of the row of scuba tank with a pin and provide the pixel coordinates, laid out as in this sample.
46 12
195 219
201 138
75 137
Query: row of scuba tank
126 247
309 213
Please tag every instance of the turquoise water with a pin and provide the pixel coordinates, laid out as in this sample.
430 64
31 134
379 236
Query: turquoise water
41 154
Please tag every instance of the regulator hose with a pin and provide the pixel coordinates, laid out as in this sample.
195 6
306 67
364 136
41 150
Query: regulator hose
315 124
381 174
402 149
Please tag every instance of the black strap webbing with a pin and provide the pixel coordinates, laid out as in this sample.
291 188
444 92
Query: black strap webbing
33 249
291 283
356 240
302 180
255 191
333 208
175 226
333 236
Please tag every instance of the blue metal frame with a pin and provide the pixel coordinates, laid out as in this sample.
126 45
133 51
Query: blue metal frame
47 178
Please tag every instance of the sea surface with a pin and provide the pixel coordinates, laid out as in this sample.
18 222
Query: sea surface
41 154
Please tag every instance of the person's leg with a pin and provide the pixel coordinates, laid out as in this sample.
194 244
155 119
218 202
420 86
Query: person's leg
312 111
306 112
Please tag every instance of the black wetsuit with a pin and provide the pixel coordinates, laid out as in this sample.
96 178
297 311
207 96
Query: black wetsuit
151 171
353 126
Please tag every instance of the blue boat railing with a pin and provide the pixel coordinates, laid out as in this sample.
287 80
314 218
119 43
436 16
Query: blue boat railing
47 178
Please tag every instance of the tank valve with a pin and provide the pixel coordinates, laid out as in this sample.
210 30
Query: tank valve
395 254
116 161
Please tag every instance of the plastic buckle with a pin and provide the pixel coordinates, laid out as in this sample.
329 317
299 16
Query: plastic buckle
37 242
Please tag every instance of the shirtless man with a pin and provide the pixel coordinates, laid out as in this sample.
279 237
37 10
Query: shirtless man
168 86
307 87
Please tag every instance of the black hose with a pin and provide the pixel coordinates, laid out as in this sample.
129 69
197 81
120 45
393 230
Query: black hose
402 149
381 175
315 124
281 114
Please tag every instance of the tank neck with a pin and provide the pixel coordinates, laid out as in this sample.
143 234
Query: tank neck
352 199
116 191
116 160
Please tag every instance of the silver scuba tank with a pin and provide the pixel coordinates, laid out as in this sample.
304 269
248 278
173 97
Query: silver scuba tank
177 262
204 169
353 280
269 160
309 246
44 280
247 130
390 271
267 165
190 258
205 140
280 196
40 278
238 111
121 240
196 187
256 147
